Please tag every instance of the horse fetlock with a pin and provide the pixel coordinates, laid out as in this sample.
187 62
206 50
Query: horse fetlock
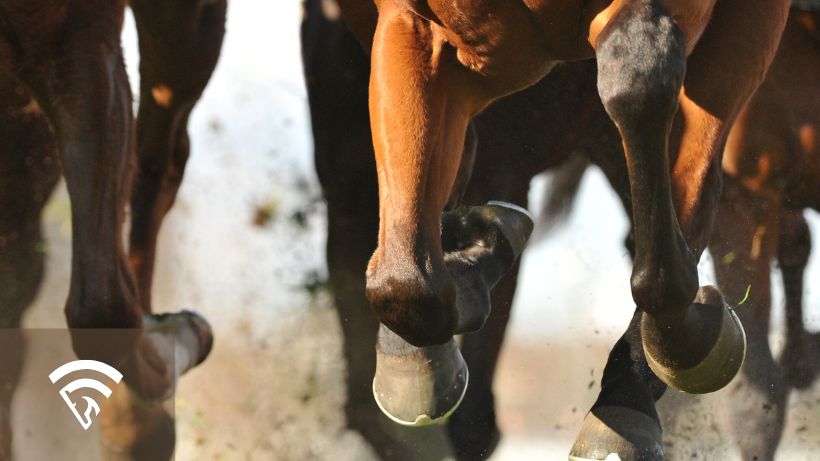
663 287
700 352
420 309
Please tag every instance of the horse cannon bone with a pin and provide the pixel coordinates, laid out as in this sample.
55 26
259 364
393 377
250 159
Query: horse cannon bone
419 386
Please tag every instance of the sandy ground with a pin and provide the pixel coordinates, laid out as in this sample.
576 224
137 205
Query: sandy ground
274 391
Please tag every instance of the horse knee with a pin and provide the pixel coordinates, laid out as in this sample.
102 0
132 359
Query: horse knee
641 64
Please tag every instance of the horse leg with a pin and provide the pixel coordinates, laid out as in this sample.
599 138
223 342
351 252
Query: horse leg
83 89
472 428
28 172
343 153
179 43
421 101
689 337
801 354
743 244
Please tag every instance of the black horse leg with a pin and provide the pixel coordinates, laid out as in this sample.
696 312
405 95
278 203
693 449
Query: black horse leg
179 42
28 172
801 355
743 245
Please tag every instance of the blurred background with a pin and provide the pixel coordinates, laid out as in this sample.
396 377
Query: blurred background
244 244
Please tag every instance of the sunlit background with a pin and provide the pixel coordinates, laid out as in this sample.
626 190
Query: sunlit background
244 245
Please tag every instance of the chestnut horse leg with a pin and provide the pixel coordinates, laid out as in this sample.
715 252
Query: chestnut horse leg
83 89
801 354
689 337
346 169
28 172
179 43
419 122
743 245
421 101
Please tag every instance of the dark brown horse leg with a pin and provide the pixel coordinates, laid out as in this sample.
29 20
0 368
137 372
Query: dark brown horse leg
472 428
28 172
84 90
801 355
179 43
743 244
690 338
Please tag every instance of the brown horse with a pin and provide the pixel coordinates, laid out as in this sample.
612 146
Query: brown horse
61 66
772 168
519 136
437 64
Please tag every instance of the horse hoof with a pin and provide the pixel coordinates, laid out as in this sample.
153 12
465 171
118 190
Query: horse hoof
617 434
418 386
514 222
187 333
723 361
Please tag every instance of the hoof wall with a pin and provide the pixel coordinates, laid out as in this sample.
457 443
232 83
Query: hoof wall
420 386
617 434
723 361
187 333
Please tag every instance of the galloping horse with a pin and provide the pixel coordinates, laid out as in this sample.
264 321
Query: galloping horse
61 66
436 64
540 126
771 167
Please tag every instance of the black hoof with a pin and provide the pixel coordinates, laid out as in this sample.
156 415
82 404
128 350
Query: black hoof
481 245
192 333
418 386
718 366
617 434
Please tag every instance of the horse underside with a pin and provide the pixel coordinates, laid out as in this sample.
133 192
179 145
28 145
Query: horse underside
68 109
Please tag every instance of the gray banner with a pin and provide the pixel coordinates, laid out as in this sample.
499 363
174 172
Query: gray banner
58 407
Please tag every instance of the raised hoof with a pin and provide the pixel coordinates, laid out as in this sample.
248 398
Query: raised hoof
418 386
183 340
481 245
482 226
723 361
617 434
514 222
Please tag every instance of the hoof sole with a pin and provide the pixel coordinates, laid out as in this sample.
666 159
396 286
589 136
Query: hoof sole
723 361
617 434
